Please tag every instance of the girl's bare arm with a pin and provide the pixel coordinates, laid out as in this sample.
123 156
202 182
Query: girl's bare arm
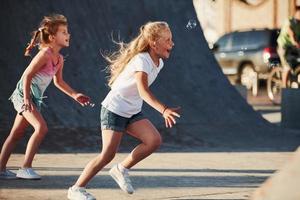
64 87
37 62
168 113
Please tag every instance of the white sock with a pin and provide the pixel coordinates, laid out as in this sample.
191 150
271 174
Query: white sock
74 187
122 168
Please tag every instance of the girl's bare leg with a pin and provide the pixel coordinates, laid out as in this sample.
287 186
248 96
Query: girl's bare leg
16 133
110 143
40 129
150 138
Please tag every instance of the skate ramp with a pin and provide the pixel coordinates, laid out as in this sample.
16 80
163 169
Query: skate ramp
214 115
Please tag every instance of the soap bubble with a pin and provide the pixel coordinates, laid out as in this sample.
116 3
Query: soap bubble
191 24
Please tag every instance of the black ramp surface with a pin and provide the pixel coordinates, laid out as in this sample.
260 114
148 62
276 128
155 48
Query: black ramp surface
214 115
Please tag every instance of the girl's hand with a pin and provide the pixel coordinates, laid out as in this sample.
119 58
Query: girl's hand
28 105
82 99
169 114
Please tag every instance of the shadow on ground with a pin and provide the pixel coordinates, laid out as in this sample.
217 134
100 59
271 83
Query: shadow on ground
105 181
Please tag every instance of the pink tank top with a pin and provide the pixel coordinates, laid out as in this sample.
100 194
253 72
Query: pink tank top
45 75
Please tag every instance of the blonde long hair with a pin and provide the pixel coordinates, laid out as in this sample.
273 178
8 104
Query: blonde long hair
48 26
149 32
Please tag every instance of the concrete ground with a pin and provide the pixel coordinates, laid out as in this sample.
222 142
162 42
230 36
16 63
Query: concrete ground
202 176
270 113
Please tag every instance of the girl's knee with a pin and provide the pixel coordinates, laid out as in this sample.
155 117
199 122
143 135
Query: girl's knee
106 157
155 141
41 129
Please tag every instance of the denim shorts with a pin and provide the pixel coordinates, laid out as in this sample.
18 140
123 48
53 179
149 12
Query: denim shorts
112 121
18 101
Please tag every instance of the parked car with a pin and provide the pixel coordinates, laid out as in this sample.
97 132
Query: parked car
246 54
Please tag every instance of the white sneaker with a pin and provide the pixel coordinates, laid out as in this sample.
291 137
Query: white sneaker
122 179
27 173
7 174
79 193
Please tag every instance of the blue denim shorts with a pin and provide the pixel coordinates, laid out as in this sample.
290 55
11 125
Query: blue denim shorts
112 121
17 99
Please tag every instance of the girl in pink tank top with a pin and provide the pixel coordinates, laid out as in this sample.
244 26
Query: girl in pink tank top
27 98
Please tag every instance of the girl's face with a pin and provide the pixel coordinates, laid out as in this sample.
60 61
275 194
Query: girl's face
163 46
62 36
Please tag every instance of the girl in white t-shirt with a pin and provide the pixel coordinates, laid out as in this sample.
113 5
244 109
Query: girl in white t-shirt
132 70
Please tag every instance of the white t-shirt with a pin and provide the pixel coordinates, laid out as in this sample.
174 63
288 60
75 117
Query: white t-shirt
124 98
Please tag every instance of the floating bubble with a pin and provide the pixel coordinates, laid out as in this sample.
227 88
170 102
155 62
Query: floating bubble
191 24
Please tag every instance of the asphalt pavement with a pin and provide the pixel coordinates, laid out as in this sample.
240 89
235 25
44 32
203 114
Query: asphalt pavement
172 176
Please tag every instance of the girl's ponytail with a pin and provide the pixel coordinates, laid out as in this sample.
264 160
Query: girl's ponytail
32 43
